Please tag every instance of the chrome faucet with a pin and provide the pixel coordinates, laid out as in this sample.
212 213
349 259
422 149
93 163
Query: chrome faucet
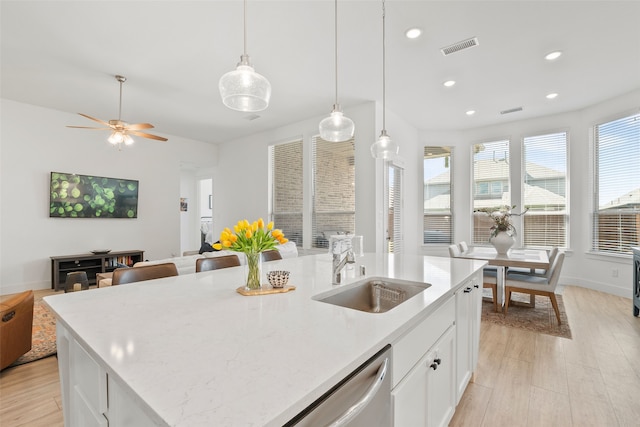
338 261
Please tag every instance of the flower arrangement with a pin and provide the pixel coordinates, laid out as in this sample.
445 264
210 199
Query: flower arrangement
252 239
501 217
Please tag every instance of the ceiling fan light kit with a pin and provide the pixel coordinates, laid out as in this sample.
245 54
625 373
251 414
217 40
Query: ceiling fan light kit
121 131
243 89
337 127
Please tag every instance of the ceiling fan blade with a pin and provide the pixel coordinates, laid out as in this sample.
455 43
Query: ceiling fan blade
148 135
138 126
102 122
87 127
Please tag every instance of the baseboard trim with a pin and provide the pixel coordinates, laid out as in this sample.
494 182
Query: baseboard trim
597 286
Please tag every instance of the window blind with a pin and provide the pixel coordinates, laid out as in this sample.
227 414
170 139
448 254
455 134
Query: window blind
438 189
616 217
490 184
287 191
334 198
544 192
394 202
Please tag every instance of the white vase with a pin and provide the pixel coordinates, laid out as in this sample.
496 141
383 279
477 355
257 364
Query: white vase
502 242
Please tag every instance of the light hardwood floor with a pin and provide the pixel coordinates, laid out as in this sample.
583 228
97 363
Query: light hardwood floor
523 378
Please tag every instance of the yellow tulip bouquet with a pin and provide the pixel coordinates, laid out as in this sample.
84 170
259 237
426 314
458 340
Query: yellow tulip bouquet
251 239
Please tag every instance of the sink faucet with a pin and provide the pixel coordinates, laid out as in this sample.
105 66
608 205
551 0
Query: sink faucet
338 261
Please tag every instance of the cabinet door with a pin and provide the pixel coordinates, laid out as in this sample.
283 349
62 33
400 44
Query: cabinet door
87 387
123 410
410 397
441 380
427 395
464 341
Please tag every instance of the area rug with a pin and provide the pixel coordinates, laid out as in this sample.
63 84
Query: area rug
540 319
43 341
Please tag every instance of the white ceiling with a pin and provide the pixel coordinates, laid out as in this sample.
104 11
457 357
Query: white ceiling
64 54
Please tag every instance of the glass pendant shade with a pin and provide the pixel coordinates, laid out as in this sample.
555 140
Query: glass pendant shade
337 127
128 140
384 148
243 89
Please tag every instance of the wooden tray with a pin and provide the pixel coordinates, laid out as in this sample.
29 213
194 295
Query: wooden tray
265 290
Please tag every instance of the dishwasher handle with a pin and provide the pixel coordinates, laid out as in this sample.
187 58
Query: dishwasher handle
357 407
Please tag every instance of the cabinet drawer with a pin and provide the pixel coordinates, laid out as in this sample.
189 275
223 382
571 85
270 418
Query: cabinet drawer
415 343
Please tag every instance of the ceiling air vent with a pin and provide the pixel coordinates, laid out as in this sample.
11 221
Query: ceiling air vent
461 45
511 110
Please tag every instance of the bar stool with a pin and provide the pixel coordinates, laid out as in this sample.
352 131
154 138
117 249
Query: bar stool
75 278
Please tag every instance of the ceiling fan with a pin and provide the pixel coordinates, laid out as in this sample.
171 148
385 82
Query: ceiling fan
121 131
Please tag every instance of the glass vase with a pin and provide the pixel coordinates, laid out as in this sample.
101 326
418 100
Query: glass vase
254 270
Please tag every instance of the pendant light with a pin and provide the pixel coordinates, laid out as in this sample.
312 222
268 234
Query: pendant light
336 127
384 148
243 89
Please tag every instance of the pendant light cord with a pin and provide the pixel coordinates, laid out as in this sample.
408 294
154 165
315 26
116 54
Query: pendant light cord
245 27
384 91
336 45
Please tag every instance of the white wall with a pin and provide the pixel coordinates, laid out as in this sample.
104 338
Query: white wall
33 142
581 267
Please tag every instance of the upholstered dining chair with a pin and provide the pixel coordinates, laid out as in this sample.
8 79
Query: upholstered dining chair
552 253
142 273
463 246
215 263
454 251
272 255
16 314
535 285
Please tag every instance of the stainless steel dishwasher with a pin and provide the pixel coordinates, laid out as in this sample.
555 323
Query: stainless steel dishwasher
362 399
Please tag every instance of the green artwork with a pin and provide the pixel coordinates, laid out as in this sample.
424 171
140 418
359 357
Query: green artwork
82 196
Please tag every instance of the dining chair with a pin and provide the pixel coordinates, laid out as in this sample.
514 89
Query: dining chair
536 285
463 246
215 263
142 273
552 253
454 251
272 255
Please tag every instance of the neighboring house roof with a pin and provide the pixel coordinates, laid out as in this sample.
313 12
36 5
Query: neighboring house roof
535 196
491 170
629 200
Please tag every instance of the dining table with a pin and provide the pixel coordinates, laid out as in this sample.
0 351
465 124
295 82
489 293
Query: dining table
523 258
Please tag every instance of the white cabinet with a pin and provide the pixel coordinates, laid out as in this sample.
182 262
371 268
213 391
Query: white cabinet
468 310
424 374
90 398
427 395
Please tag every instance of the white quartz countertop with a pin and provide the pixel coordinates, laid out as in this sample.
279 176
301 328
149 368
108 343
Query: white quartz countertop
194 352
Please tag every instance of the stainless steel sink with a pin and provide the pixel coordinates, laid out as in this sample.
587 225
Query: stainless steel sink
374 295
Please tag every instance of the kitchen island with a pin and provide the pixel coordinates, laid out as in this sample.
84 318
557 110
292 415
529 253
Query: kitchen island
190 351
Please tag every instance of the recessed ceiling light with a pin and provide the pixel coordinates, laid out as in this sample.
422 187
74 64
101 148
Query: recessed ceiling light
413 33
553 55
449 83
552 95
470 112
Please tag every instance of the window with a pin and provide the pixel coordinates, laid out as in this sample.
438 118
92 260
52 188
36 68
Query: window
544 191
334 197
286 191
490 184
616 211
437 218
394 204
